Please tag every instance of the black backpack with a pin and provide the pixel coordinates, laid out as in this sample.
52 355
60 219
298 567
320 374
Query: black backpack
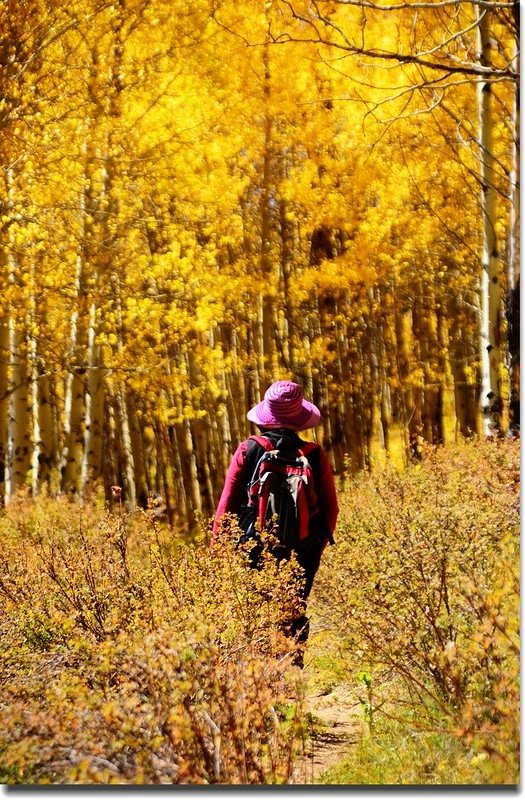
281 494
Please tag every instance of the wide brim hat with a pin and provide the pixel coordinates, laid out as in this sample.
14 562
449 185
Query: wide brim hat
284 406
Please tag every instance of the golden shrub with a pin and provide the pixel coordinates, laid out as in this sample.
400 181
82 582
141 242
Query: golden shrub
422 589
128 657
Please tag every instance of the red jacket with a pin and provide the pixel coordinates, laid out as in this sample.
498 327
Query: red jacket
235 486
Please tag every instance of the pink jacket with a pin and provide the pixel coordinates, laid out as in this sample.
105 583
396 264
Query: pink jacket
234 491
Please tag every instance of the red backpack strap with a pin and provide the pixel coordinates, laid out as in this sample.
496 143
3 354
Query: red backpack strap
305 450
264 442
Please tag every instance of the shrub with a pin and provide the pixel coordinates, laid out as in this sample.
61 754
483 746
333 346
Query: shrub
130 658
422 588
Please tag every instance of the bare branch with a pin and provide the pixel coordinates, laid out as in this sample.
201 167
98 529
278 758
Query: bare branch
486 4
464 68
461 125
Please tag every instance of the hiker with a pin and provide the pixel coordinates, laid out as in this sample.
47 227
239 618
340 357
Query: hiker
279 417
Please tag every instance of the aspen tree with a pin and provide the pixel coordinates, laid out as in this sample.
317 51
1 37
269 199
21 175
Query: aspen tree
22 38
233 214
491 267
266 318
74 398
4 366
83 400
39 454
18 440
91 468
441 54
514 242
137 448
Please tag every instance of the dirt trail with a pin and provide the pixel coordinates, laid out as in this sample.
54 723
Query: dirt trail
338 723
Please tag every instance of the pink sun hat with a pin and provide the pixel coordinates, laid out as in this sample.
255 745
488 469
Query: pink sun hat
284 406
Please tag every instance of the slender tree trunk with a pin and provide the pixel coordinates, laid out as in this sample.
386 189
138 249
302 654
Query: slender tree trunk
254 346
4 372
490 286
234 436
429 348
224 434
125 447
407 426
203 455
181 507
447 399
266 320
286 329
39 455
94 407
139 464
44 444
189 464
378 346
120 393
110 469
162 451
18 457
18 417
74 394
48 459
514 249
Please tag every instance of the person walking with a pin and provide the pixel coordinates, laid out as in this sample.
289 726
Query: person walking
277 457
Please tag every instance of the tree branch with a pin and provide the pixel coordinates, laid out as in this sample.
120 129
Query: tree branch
465 68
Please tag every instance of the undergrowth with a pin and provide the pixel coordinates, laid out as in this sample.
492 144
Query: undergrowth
127 658
130 656
418 604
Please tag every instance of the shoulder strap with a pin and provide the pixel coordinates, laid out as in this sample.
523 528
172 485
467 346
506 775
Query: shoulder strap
263 441
254 457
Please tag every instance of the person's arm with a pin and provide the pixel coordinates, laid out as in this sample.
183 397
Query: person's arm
326 492
235 485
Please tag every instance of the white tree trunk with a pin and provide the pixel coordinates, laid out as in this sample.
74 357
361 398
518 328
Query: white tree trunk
490 286
74 393
35 400
94 420
17 461
120 396
44 446
130 494
18 417
74 410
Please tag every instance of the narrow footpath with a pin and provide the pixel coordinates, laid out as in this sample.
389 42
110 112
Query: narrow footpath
337 723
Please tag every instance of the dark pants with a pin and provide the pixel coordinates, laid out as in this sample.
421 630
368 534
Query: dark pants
299 627
310 561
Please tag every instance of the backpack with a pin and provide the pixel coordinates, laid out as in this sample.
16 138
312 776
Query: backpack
281 492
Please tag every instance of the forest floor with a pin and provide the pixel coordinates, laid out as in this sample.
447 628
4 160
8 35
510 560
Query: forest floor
331 705
336 720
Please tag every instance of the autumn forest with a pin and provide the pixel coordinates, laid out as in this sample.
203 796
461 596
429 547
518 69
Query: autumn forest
200 198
